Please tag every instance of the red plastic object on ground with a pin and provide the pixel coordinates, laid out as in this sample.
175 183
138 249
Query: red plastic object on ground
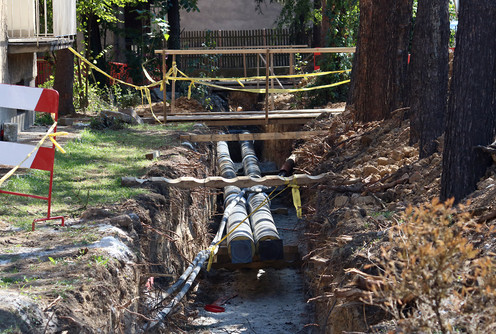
216 307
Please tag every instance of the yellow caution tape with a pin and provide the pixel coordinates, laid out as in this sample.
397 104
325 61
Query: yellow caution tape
50 135
295 191
144 90
173 72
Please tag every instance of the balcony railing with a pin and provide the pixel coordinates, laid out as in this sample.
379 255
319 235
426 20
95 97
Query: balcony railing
32 19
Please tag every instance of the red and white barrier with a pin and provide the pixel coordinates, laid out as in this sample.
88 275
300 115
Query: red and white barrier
14 154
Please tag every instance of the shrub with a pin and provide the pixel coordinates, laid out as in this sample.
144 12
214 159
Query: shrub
433 278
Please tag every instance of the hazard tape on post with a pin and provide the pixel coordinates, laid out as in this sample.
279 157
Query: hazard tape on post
33 157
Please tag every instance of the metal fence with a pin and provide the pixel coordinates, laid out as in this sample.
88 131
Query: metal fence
236 39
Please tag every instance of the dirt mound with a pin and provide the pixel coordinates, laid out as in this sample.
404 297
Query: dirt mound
376 174
99 273
183 105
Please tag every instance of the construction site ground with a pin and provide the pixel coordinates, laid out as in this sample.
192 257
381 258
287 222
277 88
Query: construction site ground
94 275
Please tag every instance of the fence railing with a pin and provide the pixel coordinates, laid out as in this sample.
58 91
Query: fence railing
34 18
238 39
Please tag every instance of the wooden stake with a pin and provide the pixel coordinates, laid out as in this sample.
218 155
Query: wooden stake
272 106
267 73
164 87
173 90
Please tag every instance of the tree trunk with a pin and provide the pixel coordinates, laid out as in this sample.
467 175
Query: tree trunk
380 64
4 70
174 41
95 48
472 101
64 79
429 75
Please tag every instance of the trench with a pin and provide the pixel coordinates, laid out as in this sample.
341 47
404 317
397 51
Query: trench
256 295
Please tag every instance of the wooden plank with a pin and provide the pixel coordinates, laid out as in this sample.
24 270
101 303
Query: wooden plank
252 136
187 182
262 50
292 258
272 115
258 112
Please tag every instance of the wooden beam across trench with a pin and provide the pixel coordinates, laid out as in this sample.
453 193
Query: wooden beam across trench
252 136
187 182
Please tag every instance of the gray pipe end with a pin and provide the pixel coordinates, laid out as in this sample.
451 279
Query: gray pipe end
241 251
271 250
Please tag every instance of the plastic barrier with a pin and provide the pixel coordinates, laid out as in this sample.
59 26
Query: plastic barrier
35 157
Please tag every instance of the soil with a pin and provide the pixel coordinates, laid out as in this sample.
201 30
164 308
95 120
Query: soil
88 277
376 175
102 273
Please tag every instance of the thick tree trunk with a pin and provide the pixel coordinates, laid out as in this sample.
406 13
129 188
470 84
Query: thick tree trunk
174 41
64 81
472 101
380 64
429 75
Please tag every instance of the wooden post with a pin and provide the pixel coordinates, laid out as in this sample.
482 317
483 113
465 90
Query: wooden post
267 72
244 64
271 64
258 69
173 89
291 66
164 86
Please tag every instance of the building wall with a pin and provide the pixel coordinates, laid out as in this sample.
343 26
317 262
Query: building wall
230 15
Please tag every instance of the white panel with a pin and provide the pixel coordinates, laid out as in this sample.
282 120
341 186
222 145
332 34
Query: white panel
13 153
21 18
64 17
19 97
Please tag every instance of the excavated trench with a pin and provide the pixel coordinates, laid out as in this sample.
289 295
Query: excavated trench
259 292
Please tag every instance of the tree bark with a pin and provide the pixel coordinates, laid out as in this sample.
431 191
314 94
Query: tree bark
472 101
64 81
380 64
94 39
174 41
429 75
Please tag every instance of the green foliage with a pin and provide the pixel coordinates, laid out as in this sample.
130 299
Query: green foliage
208 69
433 278
99 260
43 118
89 174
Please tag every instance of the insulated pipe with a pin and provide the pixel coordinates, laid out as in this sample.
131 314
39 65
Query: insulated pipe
287 167
268 244
193 269
250 160
224 161
240 240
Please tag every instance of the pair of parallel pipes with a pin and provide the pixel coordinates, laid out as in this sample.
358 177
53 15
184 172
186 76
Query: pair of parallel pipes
260 230
258 233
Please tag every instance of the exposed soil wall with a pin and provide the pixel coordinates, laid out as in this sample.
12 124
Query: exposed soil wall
90 276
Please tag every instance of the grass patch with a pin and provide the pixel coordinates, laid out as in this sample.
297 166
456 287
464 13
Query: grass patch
88 175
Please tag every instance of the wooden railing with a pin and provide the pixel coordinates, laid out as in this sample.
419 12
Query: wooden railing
264 53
